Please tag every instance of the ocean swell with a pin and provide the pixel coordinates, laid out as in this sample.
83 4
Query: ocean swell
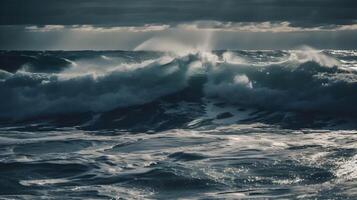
293 81
31 94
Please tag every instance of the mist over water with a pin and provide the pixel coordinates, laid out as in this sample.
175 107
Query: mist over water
178 121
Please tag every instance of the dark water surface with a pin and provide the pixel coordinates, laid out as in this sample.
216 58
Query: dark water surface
153 125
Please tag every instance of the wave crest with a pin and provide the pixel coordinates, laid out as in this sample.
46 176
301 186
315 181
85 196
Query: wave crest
276 80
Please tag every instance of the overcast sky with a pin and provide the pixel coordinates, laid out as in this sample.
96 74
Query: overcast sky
219 24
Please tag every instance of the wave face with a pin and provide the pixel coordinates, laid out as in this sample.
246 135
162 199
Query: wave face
145 124
52 83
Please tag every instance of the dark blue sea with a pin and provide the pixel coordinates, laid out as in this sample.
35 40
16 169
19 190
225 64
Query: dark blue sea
194 125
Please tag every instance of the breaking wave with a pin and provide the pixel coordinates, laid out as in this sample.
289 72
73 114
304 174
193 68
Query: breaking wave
192 125
70 82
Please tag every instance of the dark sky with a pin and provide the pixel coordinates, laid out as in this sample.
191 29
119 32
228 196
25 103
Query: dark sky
17 14
137 12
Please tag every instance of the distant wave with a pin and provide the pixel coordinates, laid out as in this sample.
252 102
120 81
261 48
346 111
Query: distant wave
72 82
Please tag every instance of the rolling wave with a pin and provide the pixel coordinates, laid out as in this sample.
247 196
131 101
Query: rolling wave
304 81
193 125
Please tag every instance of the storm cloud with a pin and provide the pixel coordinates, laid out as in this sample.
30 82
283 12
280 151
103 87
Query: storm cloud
139 12
125 24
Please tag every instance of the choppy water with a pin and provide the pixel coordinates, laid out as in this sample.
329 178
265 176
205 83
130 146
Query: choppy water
151 125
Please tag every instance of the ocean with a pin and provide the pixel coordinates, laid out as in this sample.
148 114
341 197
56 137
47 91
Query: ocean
272 124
